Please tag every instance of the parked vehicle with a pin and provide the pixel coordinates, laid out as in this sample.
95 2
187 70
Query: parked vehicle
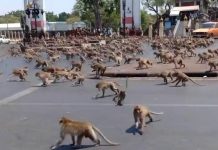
207 29
4 40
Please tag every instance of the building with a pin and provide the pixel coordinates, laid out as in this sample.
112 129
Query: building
14 30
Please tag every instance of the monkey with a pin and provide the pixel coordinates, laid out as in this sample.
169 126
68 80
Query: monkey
59 74
212 64
77 65
45 77
80 80
21 73
157 55
42 63
143 62
140 112
28 57
103 85
202 58
80 129
166 73
182 77
191 51
53 69
120 98
54 58
179 61
128 59
99 69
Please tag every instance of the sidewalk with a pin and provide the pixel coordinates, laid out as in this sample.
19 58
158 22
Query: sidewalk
4 50
192 69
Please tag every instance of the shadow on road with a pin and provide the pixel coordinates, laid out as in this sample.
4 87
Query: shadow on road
100 97
70 147
133 130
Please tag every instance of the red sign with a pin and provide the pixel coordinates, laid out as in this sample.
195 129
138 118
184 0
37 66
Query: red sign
128 20
40 24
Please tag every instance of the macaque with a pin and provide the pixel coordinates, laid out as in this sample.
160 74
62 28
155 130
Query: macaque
140 112
80 130
45 77
119 98
182 77
103 85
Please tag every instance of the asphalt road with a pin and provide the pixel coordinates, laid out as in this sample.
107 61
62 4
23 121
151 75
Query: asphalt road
29 114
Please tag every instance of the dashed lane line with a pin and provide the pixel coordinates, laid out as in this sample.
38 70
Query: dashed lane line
18 95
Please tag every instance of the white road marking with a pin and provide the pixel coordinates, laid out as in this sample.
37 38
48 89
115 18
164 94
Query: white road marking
18 95
109 104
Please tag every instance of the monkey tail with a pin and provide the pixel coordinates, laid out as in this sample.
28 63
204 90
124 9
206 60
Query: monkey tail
156 113
104 137
195 82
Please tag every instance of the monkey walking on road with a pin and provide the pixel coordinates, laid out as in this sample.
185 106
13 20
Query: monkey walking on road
140 112
80 130
182 77
119 98
103 85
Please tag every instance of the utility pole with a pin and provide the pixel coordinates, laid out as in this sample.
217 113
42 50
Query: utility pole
124 17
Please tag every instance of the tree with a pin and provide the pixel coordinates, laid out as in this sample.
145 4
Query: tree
63 16
17 13
145 19
50 16
159 7
73 19
98 12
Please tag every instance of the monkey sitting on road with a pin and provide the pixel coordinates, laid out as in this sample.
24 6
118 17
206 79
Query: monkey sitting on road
119 98
21 73
80 130
103 85
140 112
182 77
45 77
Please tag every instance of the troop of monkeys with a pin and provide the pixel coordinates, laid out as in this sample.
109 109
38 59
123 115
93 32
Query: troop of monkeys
176 50
127 51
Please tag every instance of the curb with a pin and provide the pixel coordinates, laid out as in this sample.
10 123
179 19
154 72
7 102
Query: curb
190 74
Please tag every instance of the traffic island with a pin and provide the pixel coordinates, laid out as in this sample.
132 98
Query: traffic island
192 69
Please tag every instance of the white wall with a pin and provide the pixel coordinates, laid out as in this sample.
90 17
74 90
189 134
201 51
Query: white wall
132 12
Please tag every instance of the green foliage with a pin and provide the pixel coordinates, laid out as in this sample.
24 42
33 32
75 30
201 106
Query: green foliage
105 12
63 16
11 17
51 17
73 19
145 19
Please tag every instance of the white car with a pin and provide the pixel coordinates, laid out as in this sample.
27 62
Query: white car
4 40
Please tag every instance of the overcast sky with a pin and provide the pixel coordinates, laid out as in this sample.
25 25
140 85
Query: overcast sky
56 6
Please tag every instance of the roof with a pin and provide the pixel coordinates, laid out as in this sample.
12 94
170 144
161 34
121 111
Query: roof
10 26
176 10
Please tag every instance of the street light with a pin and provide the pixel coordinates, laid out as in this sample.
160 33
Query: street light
124 17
